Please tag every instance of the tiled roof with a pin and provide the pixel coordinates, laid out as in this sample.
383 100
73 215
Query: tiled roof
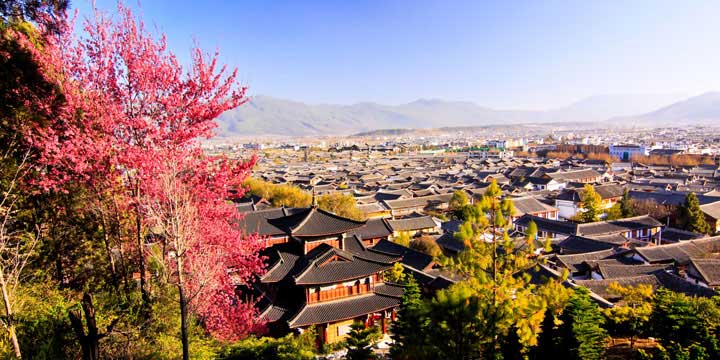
410 257
612 271
579 244
617 226
548 225
338 310
658 278
415 223
679 252
355 246
712 210
321 269
600 287
670 234
574 175
423 201
282 263
529 205
314 222
608 191
449 243
257 221
373 229
709 270
575 261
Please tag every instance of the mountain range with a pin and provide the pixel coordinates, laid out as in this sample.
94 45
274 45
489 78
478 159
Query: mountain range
264 115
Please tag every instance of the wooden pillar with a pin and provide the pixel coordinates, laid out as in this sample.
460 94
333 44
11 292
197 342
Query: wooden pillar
384 322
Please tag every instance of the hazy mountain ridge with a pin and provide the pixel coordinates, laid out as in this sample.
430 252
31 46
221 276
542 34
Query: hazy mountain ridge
264 115
703 109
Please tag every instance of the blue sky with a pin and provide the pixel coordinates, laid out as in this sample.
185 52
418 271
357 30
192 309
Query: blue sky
505 54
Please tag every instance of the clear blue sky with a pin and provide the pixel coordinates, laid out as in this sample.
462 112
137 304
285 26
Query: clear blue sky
507 54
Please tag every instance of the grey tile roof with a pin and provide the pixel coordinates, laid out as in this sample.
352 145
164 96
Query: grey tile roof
314 222
319 269
613 271
529 205
617 226
344 309
410 257
373 229
709 270
257 221
423 201
577 244
681 252
412 224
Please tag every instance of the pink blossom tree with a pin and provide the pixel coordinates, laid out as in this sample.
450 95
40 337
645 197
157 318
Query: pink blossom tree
129 124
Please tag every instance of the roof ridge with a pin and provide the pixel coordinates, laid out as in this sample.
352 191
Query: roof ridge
305 219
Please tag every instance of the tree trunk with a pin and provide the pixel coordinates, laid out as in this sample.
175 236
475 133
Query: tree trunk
141 258
108 251
183 311
90 341
9 313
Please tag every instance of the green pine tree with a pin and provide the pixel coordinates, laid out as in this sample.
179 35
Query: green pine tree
409 331
581 335
626 205
359 342
692 216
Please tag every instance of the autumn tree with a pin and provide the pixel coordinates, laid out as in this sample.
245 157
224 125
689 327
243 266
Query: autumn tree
426 245
396 274
692 217
278 194
654 209
591 204
630 318
686 324
403 238
458 202
340 204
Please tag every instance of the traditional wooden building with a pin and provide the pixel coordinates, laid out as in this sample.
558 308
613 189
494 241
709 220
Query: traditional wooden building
324 276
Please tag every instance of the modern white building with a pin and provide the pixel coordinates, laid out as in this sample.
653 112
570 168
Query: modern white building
626 152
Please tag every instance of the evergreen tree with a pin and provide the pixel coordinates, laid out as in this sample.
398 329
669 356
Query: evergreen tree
456 332
626 205
581 335
693 218
409 331
493 265
359 342
546 347
686 324
591 202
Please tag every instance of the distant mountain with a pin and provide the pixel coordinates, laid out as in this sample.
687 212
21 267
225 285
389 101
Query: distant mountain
698 110
265 115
